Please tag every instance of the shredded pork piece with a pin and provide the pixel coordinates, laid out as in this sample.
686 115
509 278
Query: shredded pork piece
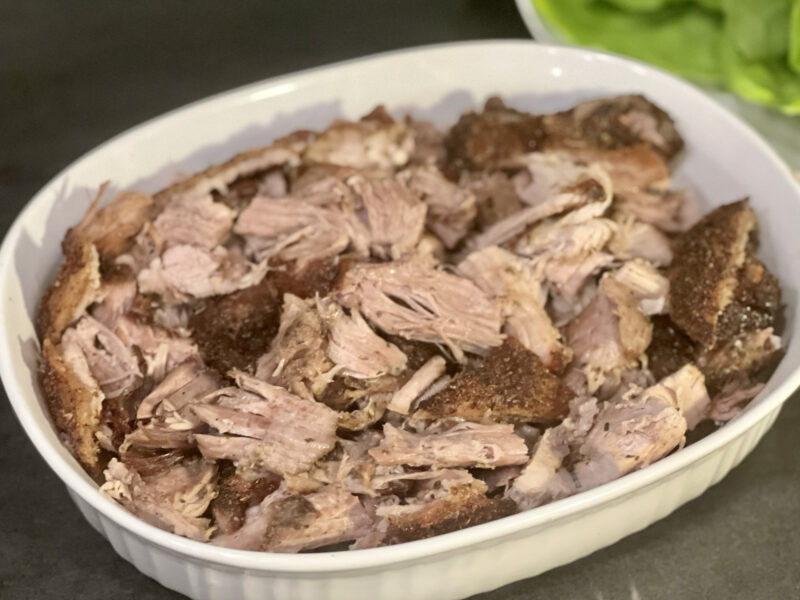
451 209
517 283
111 362
374 142
396 216
298 358
634 239
641 427
269 428
612 331
166 414
298 230
286 522
648 286
117 299
190 271
545 478
465 445
161 350
587 191
421 380
423 303
357 349
450 501
198 221
174 500
546 174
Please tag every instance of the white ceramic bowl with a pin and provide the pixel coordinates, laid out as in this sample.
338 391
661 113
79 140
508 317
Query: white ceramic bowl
725 160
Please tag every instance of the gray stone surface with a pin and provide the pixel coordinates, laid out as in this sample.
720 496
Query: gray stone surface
73 74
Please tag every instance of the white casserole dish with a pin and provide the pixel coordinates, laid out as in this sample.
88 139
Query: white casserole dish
724 161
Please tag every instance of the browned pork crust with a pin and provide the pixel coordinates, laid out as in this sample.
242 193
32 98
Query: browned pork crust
282 152
77 286
510 385
74 401
463 507
705 270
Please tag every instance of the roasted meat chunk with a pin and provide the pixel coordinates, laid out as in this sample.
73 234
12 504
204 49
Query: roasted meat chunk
236 494
669 349
487 139
615 122
457 501
233 331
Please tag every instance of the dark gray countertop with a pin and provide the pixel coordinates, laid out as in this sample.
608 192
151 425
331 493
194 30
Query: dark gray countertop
73 74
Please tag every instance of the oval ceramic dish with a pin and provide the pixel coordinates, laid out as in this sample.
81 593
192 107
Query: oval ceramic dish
724 161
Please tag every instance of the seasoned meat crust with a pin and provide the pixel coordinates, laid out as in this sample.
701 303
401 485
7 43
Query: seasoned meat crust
463 508
77 286
75 403
670 348
233 331
510 385
385 331
111 228
242 166
756 303
482 140
236 494
490 138
705 273
611 123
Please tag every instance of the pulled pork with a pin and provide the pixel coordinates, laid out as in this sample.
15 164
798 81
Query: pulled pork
384 331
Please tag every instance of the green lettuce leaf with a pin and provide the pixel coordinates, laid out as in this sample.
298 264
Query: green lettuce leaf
643 5
712 4
752 47
758 27
794 37
682 38
769 82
